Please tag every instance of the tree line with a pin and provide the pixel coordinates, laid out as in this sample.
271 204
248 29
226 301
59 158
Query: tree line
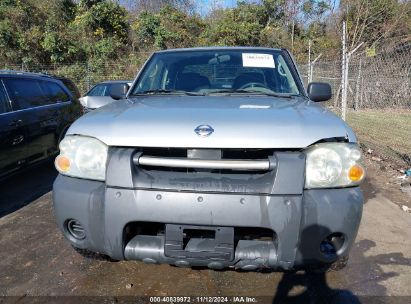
101 31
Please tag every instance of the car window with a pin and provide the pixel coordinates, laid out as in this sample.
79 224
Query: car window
25 93
155 78
71 86
209 71
286 78
54 92
3 100
99 90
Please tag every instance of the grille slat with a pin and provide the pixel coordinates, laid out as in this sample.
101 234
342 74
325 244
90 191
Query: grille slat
174 162
241 154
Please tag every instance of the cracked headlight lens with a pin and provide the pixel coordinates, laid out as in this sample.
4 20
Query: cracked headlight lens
83 157
332 165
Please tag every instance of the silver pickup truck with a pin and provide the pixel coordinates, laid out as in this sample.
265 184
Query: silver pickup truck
218 157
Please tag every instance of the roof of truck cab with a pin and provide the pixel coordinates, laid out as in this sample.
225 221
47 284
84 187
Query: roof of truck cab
219 48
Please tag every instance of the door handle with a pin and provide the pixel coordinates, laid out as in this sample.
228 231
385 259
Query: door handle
16 123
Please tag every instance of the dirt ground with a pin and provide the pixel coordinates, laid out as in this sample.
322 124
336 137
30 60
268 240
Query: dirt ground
387 178
36 260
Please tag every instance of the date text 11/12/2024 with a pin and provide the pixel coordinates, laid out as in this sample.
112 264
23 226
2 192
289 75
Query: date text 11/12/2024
203 299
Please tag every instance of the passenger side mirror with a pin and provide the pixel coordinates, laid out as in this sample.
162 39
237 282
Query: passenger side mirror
119 90
319 91
83 101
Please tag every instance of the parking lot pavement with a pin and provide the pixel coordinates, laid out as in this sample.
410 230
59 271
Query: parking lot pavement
25 187
37 260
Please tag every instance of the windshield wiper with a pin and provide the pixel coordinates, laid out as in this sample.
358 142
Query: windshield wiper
254 92
164 91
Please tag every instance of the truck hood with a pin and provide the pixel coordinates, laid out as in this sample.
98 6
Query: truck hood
238 122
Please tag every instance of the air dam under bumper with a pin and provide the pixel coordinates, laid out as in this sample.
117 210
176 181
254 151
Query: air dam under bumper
300 222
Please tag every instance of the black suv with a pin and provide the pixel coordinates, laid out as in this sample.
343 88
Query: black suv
35 112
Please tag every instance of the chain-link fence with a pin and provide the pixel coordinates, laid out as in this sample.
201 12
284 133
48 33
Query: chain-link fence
378 97
380 81
86 74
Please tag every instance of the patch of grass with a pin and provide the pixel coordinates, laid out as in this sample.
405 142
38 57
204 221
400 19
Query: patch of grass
387 132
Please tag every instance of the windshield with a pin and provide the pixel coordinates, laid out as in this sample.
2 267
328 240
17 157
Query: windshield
204 72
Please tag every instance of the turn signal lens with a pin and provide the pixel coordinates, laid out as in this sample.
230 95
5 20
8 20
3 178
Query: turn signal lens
62 163
356 173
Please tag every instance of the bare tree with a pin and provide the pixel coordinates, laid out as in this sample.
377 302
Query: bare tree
370 20
292 9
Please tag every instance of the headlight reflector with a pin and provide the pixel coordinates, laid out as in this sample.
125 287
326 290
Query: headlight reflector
330 165
83 157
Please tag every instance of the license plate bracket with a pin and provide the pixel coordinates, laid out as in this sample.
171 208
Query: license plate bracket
199 242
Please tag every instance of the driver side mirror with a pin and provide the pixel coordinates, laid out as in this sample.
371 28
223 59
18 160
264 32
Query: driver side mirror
119 90
319 91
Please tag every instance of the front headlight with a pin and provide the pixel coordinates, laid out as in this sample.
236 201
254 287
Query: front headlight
83 157
331 165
